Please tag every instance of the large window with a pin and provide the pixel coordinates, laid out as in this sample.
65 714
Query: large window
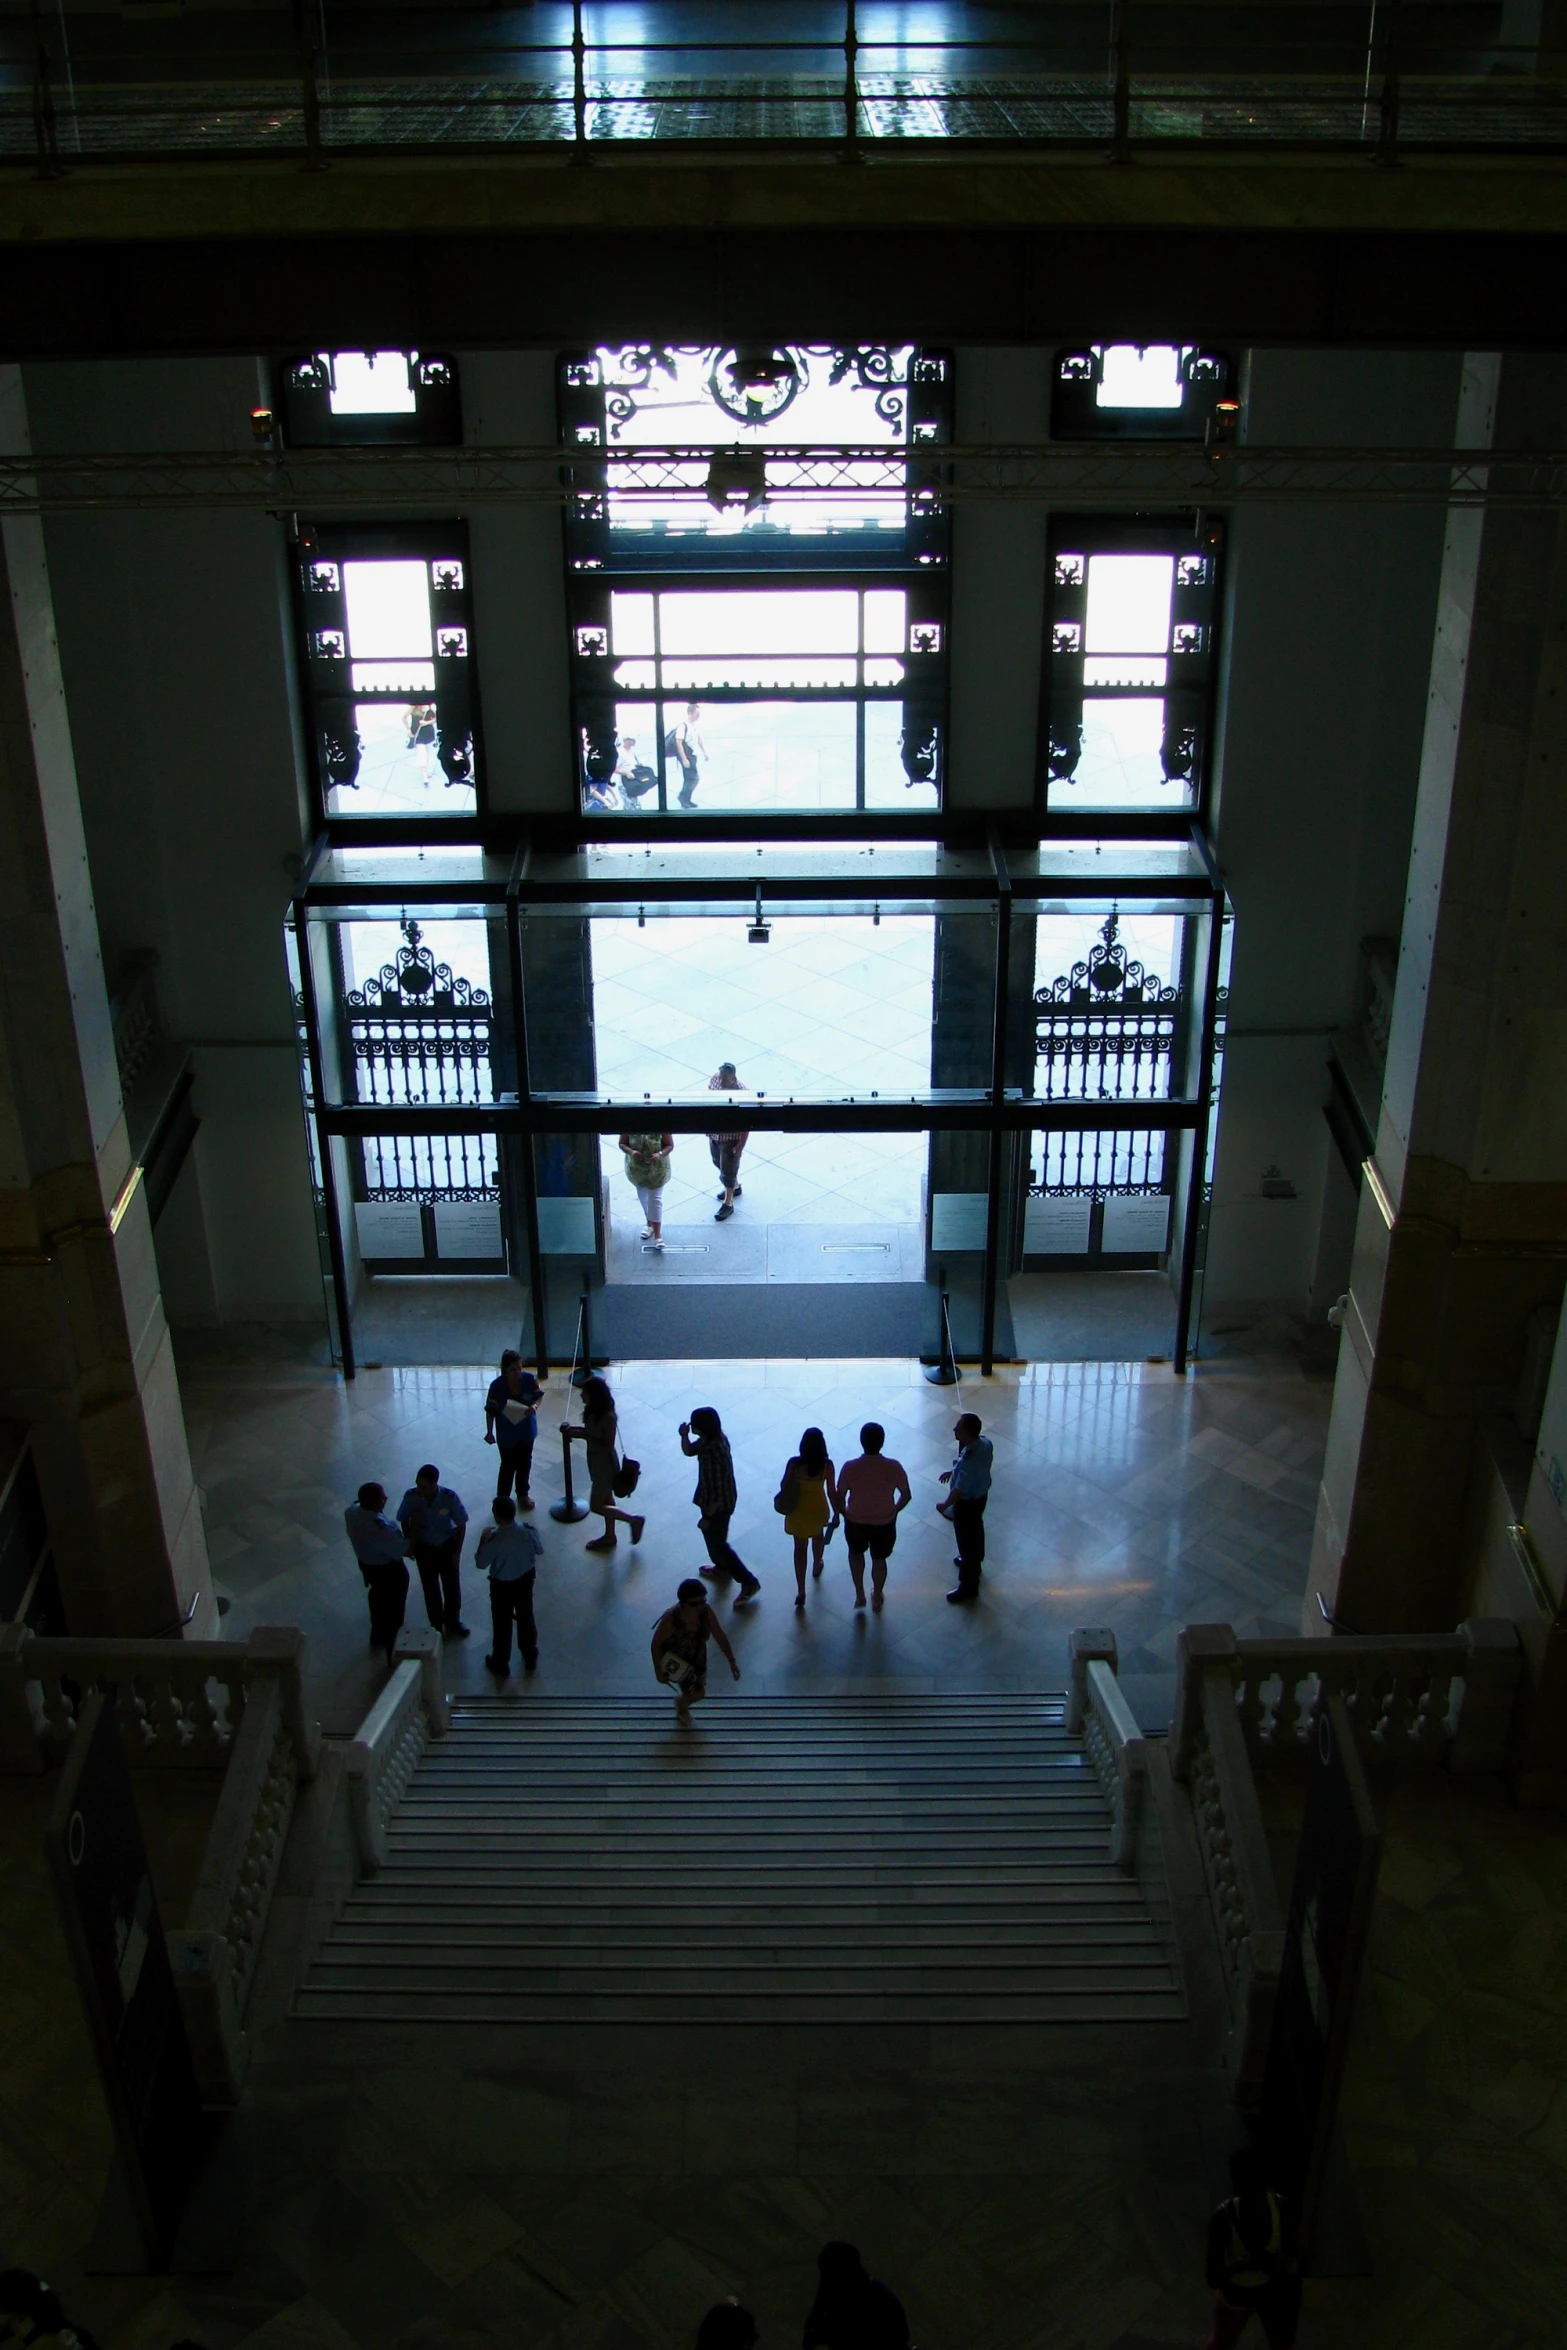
729 699
1137 392
333 399
753 508
1128 667
387 637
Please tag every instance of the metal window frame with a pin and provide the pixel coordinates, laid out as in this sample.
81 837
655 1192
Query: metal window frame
349 541
1120 534
995 1109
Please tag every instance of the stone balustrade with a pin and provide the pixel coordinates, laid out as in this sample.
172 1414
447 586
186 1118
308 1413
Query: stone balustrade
234 1707
1114 1744
410 1710
1415 1700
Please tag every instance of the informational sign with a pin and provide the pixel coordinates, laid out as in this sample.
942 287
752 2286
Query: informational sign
957 1222
468 1228
1325 1938
566 1227
389 1227
1057 1227
115 1936
1136 1223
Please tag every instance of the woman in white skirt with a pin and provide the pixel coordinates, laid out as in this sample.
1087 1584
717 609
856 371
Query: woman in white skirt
648 1161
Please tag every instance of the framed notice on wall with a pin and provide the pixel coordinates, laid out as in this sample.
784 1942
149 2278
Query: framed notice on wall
957 1221
1057 1227
468 1228
1136 1223
389 1228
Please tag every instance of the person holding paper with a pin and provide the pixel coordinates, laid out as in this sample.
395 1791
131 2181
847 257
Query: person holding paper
511 1422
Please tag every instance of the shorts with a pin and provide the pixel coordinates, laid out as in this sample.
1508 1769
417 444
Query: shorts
726 1158
878 1540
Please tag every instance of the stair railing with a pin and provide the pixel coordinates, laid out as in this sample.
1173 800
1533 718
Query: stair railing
410 1711
230 1706
1099 1714
1417 1700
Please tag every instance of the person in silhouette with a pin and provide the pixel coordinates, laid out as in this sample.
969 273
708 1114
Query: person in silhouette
509 1554
382 1551
435 1521
702 1440
728 2325
968 1486
852 2311
1253 2265
598 1431
805 1499
680 1639
871 1495
511 1424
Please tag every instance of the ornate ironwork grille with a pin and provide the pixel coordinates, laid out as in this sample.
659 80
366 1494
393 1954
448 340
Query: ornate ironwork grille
419 1035
1104 1031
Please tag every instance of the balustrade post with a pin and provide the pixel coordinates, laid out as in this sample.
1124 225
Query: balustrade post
204 1985
20 1750
579 85
851 83
1493 1670
423 1648
1094 1644
280 1648
1198 1646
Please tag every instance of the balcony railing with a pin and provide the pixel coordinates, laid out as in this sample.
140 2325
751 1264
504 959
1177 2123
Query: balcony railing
1127 75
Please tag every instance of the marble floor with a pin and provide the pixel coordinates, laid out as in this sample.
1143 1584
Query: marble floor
1123 1495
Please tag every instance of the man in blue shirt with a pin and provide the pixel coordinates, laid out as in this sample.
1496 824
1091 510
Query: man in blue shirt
381 1549
511 1423
510 1555
968 1484
433 1518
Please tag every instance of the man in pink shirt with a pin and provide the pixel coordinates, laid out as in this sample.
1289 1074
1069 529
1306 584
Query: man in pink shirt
869 1495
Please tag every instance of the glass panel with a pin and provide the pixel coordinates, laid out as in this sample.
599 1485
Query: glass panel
388 610
745 755
825 1007
1107 1008
1129 603
371 383
1121 766
888 783
1140 378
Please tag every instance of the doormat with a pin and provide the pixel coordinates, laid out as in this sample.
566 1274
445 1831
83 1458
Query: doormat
793 1319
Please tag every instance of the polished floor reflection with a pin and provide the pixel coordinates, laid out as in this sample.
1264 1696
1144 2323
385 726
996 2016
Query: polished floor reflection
1123 1495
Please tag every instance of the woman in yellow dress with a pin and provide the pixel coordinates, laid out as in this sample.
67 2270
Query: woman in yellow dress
809 1503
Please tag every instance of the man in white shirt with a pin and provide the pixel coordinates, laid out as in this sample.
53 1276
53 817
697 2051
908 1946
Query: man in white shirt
510 1553
382 1551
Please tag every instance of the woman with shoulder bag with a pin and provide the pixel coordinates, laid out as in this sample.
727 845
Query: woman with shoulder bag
648 1161
804 1501
608 1474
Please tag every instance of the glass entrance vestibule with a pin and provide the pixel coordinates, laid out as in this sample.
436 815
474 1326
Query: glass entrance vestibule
962 1072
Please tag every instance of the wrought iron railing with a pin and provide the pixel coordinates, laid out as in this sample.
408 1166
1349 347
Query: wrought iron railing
313 82
418 1034
1104 1031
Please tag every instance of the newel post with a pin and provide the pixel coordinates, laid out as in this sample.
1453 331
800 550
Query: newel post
1198 1647
1093 1645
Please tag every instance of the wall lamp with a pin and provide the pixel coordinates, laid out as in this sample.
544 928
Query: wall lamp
737 477
760 932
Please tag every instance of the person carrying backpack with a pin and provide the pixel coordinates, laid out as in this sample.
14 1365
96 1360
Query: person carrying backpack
1253 2265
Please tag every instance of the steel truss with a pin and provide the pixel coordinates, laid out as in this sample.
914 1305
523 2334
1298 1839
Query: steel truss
1123 477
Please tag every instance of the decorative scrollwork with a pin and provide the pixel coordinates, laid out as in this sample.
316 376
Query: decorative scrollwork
755 384
416 982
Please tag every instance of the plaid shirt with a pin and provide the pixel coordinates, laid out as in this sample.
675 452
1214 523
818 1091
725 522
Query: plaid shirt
715 1476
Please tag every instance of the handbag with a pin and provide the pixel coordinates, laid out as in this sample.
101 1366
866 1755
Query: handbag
788 1492
624 1482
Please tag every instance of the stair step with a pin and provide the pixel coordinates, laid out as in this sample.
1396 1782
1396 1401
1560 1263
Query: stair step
878 1859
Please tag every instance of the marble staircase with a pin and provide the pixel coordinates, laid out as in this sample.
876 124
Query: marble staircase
847 1858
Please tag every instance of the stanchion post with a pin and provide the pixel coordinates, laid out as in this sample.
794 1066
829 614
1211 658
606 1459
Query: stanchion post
568 1510
944 1371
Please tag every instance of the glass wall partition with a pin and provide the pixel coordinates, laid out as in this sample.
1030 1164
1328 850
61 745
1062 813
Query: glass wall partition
845 1083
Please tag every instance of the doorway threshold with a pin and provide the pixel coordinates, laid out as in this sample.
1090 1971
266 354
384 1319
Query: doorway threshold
748 1322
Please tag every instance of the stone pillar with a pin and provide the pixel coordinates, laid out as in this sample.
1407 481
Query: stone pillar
1462 1223
85 1358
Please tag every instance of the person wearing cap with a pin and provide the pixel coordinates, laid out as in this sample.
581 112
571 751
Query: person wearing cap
680 1639
726 1148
